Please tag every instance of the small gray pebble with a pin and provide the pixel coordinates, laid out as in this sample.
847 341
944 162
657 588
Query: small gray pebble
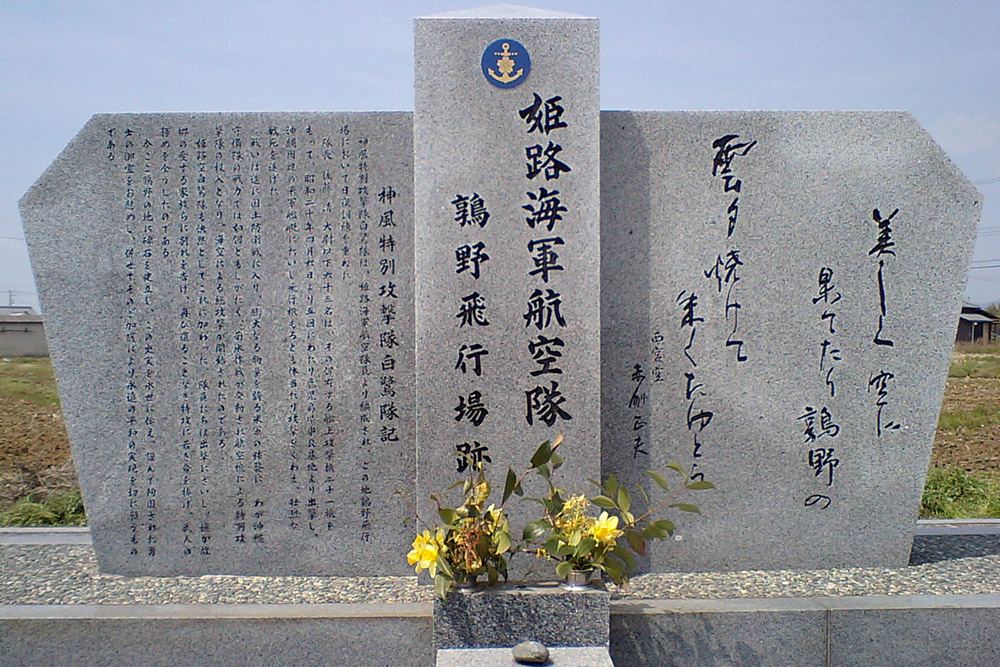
531 653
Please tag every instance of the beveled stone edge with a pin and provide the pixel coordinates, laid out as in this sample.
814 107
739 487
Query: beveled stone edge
804 604
46 535
216 611
425 609
81 534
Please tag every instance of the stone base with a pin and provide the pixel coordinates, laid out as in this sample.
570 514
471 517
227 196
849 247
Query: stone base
502 616
589 656
56 610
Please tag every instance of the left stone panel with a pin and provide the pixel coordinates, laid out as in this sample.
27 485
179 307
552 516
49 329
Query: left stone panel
229 308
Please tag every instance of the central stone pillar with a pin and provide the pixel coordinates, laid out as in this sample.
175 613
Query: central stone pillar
507 171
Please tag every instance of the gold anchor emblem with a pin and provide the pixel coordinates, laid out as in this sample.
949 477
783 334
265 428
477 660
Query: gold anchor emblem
506 65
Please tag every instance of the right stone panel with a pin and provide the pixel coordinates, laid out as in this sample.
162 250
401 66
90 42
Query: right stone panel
780 292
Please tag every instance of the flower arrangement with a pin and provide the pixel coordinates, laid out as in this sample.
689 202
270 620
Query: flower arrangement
571 535
473 540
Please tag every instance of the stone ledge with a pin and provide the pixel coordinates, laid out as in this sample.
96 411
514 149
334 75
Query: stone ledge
869 630
214 611
850 603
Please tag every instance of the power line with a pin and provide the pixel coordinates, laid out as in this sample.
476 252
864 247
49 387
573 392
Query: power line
988 181
12 238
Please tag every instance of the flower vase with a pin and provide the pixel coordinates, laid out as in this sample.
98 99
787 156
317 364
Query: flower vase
578 580
466 583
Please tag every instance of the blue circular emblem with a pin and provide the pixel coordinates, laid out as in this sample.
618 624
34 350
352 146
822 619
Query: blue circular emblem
506 63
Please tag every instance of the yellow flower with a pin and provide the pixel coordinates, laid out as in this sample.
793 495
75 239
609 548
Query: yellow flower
492 516
479 494
605 529
571 519
425 551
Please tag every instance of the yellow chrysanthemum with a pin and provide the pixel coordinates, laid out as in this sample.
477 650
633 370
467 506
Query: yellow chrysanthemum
571 518
605 529
425 551
480 494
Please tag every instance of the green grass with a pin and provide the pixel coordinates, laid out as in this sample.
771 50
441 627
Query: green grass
952 493
977 348
29 379
978 417
63 510
985 366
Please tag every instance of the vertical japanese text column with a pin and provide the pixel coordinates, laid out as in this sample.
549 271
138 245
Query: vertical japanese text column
507 181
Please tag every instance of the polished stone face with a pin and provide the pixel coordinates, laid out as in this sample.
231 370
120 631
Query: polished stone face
779 297
507 179
230 304
503 616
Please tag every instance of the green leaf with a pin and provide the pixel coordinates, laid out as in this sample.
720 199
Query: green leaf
557 498
558 441
551 545
635 541
535 531
677 467
584 548
645 496
652 532
614 571
508 486
492 574
687 507
659 480
443 566
544 471
541 455
441 586
562 569
603 502
700 486
625 555
611 487
564 550
557 461
624 500
665 525
447 515
503 543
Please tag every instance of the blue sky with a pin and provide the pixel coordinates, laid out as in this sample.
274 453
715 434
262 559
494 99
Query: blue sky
63 60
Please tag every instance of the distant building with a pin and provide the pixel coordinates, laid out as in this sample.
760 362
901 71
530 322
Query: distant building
22 333
975 325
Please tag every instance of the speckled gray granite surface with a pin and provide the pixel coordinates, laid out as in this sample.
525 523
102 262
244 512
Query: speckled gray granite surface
67 574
